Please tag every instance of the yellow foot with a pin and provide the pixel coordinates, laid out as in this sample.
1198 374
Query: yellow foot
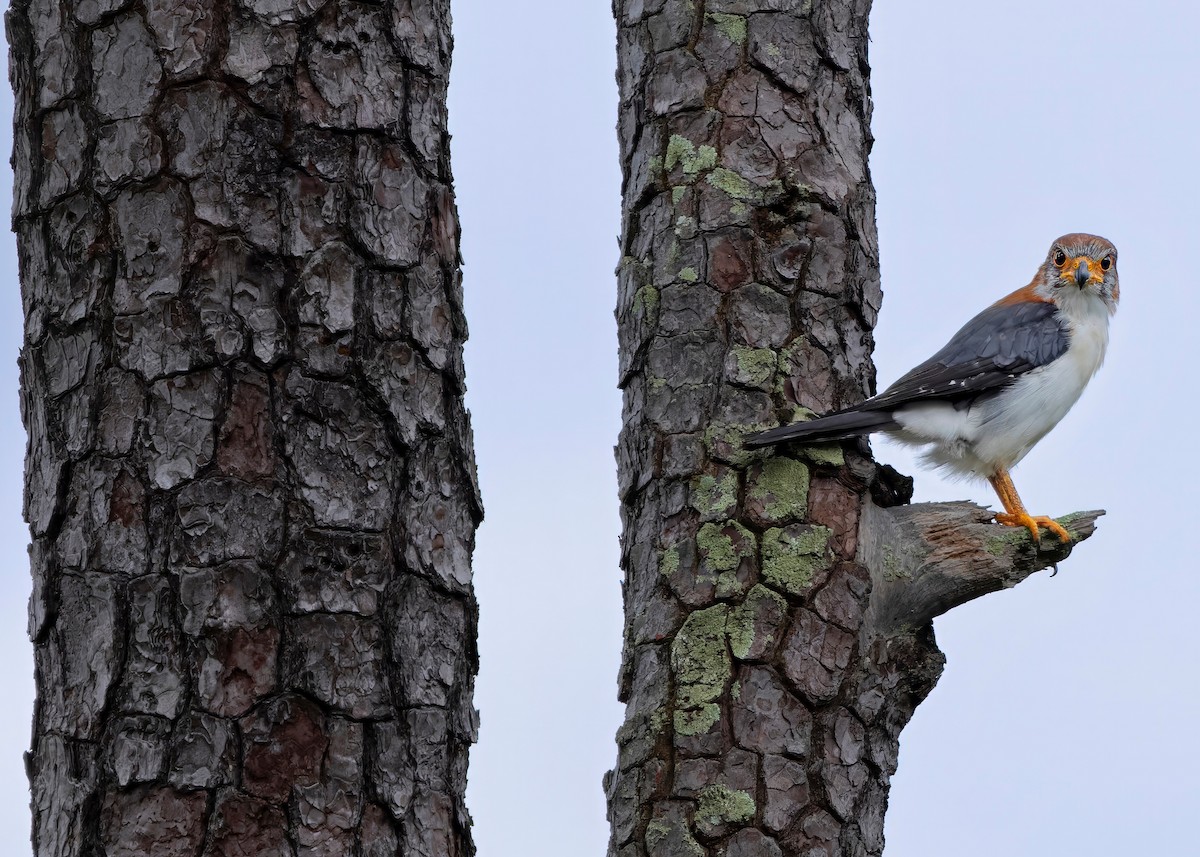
1032 522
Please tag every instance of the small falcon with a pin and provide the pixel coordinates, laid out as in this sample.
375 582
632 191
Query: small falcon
1001 383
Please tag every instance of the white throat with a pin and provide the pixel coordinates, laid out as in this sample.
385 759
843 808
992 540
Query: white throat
1087 315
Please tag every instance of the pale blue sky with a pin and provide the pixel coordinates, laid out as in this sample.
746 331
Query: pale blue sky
1063 724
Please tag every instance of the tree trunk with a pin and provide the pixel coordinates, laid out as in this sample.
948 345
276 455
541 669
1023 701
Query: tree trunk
250 480
778 632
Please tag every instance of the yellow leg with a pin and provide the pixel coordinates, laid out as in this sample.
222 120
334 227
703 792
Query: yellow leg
1014 514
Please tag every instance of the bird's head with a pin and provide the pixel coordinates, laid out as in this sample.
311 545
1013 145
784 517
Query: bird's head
1080 266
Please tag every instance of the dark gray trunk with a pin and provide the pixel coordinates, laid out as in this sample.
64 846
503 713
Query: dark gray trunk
250 480
778 632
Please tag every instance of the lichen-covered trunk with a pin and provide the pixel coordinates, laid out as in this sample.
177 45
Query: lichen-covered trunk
763 713
250 481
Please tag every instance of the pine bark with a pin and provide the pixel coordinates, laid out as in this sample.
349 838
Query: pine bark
778 633
250 481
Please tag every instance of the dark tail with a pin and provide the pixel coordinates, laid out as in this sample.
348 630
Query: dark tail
837 426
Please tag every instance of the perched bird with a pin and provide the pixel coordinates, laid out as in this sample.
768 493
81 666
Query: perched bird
1001 383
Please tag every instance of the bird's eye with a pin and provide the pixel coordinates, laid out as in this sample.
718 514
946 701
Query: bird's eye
1060 258
1106 263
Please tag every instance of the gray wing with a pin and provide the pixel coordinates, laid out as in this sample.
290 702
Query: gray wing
989 353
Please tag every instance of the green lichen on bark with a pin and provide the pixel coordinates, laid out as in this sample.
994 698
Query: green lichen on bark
799 412
720 804
825 454
683 152
891 565
718 550
723 547
642 730
998 545
791 559
702 668
673 253
754 367
658 832
689 275
685 226
781 490
706 159
646 298
1069 520
668 561
713 496
741 625
697 721
646 301
731 183
742 189
733 27
723 441
678 148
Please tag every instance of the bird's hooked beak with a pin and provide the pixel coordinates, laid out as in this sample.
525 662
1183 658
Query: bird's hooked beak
1082 273
1081 270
